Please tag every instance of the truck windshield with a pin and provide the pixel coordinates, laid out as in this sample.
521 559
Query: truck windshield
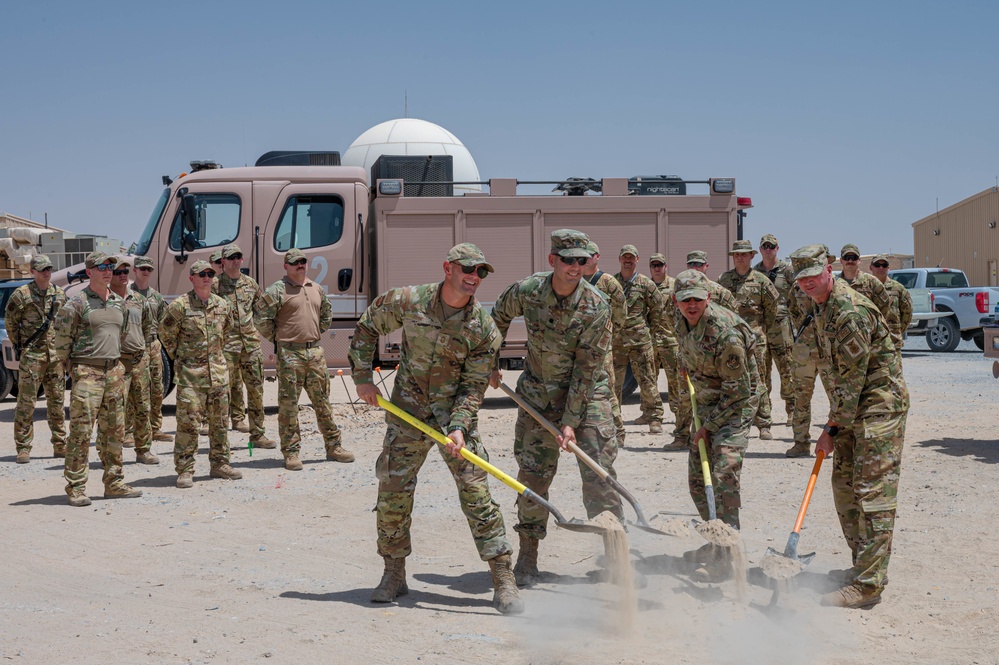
946 280
146 239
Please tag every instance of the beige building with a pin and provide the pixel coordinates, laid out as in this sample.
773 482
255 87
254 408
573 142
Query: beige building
964 236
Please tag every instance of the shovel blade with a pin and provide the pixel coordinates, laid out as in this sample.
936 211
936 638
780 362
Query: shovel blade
580 526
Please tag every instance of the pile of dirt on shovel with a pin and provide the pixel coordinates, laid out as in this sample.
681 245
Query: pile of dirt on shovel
722 535
780 567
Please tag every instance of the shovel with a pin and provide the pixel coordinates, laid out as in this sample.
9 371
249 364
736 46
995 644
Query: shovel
714 530
513 483
588 461
784 566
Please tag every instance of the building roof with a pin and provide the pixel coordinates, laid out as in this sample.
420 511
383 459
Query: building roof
980 195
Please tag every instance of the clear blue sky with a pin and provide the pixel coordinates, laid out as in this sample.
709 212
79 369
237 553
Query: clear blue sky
845 122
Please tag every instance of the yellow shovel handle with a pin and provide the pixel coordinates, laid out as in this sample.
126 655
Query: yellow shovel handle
702 451
437 436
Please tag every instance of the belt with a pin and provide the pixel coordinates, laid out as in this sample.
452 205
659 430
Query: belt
133 357
96 362
298 345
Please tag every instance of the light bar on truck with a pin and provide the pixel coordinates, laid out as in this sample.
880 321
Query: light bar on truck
723 185
390 187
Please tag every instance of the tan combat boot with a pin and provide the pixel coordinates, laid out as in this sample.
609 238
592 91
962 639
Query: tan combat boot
121 491
185 480
225 471
23 457
678 444
506 598
765 434
393 582
203 430
799 449
146 458
129 442
717 568
292 463
240 426
161 436
854 596
263 442
526 571
641 420
337 453
655 427
59 450
79 500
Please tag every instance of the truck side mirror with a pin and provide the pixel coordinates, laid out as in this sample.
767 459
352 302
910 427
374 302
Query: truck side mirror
191 242
189 213
343 278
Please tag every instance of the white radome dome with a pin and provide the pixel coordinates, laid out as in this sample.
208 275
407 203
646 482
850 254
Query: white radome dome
410 136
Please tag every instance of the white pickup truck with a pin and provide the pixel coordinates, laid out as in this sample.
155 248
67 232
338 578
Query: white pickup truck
951 293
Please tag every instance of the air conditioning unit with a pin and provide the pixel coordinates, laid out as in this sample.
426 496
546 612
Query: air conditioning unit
424 175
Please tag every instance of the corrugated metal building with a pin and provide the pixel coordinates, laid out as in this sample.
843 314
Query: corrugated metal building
965 236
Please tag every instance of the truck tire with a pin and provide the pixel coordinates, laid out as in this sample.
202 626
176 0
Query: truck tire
630 384
944 336
980 340
6 382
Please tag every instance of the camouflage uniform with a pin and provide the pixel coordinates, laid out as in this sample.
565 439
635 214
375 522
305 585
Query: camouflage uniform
193 333
633 342
566 380
758 302
27 312
242 351
299 365
805 362
135 362
719 357
899 312
869 401
779 340
98 393
156 306
664 345
611 288
443 373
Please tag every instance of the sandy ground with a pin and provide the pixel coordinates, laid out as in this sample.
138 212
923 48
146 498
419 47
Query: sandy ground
278 567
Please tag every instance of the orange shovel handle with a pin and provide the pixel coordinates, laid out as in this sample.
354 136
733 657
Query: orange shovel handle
819 456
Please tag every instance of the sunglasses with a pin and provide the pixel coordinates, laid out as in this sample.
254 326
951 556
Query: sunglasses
300 262
879 265
104 267
146 269
481 271
851 257
768 245
692 299
205 273
694 264
573 260
123 271
657 265
235 257
49 269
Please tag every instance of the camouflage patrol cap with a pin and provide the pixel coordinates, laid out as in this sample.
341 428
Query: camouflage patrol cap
628 249
41 262
809 261
294 254
230 249
830 257
849 249
879 257
658 257
198 266
567 242
467 254
216 256
691 284
592 248
143 262
742 247
97 258
122 261
697 256
769 237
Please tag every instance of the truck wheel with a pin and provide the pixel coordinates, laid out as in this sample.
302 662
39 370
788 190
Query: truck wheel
630 384
6 382
167 373
944 336
980 340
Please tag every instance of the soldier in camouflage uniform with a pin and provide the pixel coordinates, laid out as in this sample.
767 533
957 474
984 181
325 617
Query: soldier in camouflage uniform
716 352
242 348
758 303
135 362
568 338
868 405
861 282
193 333
698 260
294 313
778 340
216 260
89 332
899 314
157 307
28 320
805 363
633 342
665 346
448 344
608 285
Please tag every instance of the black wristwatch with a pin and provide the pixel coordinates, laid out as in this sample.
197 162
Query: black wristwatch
459 428
831 430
